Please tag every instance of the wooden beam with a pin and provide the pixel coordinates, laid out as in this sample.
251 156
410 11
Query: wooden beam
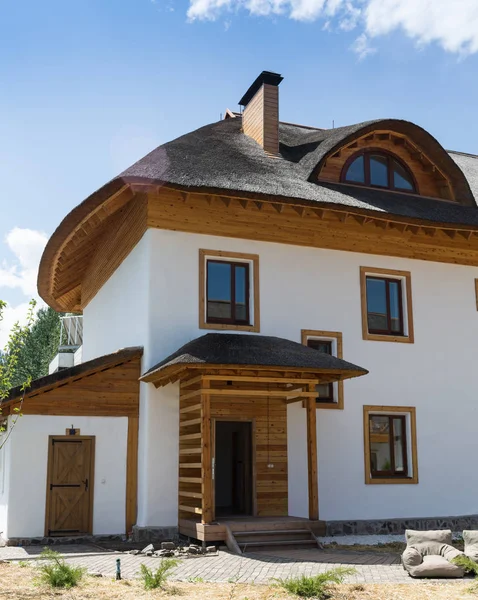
206 456
132 473
192 509
188 409
190 422
237 392
191 394
300 210
259 379
312 455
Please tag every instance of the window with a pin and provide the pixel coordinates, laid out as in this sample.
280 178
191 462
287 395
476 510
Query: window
228 290
376 168
227 285
390 444
386 305
329 395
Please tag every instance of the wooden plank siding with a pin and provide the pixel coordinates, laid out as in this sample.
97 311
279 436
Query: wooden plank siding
112 392
430 182
81 271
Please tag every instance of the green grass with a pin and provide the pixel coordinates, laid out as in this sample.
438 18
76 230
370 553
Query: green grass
316 586
470 566
156 579
57 573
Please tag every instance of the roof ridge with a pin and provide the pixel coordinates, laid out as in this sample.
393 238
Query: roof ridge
462 153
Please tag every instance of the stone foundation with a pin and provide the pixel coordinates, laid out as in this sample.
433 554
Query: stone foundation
387 526
51 541
152 535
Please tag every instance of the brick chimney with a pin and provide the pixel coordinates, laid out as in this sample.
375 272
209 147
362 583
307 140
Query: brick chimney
260 119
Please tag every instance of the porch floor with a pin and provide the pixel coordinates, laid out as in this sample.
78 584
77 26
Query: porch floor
219 529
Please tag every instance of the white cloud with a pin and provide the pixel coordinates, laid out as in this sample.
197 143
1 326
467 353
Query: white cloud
361 46
20 273
453 24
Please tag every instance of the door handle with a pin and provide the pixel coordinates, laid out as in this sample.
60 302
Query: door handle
86 484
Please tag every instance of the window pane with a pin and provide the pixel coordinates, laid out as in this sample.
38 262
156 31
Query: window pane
356 172
379 170
320 345
219 290
398 444
241 299
376 305
401 179
380 457
325 392
394 291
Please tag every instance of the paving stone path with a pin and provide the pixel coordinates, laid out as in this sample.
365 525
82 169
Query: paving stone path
371 567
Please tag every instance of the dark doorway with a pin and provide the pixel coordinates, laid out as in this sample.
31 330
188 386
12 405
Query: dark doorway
233 468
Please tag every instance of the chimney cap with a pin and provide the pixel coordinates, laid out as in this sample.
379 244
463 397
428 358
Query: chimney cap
266 77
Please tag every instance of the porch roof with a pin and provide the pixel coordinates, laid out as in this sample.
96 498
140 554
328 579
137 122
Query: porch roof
223 350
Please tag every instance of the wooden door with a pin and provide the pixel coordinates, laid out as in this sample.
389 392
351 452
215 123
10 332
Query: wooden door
69 507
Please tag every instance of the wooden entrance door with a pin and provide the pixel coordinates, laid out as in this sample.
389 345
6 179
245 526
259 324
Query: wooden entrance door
69 505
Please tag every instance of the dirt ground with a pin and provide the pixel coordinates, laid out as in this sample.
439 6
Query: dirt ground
18 583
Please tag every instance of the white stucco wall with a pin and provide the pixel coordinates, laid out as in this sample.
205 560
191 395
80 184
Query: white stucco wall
4 480
307 288
117 316
28 472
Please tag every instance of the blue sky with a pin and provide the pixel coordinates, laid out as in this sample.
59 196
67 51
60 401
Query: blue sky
87 88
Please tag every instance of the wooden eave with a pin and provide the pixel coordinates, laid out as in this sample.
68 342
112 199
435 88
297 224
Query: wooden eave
83 234
70 375
302 376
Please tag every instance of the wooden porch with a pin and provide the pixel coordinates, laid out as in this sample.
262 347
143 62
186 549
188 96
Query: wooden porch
219 384
255 532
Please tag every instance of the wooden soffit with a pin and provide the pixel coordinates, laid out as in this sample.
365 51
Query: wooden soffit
96 237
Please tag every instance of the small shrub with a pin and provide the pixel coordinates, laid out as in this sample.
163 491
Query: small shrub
195 580
57 573
157 579
470 566
316 586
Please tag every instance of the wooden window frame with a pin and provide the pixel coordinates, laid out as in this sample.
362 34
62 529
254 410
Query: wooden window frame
407 310
409 414
390 157
233 320
253 309
389 330
307 334
392 472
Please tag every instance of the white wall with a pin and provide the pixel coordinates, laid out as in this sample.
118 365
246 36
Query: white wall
4 480
117 316
319 289
28 472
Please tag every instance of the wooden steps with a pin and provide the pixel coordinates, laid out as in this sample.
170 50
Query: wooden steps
273 538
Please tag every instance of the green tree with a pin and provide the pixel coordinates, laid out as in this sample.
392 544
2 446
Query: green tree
9 362
39 347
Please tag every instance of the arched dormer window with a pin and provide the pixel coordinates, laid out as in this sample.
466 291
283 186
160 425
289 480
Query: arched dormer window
376 168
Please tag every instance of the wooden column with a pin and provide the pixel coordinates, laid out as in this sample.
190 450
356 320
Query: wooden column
206 455
312 456
132 473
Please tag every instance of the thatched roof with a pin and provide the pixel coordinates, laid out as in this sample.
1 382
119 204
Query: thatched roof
253 350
